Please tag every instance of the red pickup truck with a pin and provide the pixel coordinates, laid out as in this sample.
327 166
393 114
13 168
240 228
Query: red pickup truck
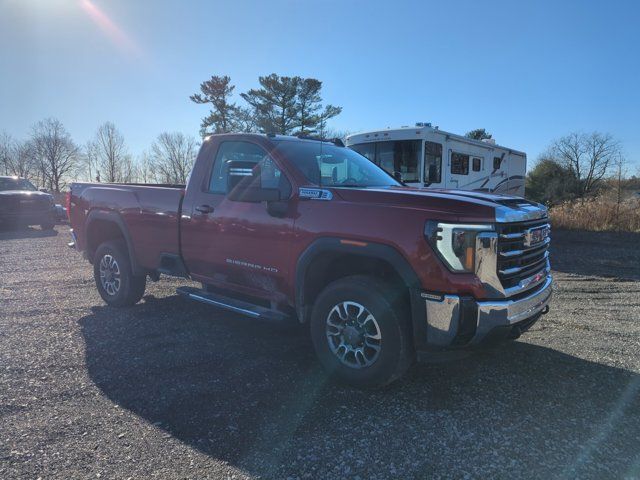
280 228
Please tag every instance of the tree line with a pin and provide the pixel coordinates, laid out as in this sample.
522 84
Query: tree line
577 166
281 104
51 159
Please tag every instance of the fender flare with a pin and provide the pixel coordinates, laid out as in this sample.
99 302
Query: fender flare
113 217
338 245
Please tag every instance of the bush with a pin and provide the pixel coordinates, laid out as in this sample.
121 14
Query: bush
550 183
602 213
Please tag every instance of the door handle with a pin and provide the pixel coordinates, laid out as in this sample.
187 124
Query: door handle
204 208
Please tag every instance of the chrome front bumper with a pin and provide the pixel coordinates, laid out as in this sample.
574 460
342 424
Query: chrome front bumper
454 320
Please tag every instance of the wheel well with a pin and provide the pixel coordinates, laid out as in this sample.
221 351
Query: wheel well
100 231
331 266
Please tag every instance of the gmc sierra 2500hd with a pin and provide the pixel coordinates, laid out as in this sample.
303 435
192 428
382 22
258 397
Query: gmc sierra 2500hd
285 227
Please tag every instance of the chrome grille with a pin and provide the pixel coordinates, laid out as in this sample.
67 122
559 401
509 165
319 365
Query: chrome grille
517 259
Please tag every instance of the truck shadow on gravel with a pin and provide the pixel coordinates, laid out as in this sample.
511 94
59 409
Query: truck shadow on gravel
254 396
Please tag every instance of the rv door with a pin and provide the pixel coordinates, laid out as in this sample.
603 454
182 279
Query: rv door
433 165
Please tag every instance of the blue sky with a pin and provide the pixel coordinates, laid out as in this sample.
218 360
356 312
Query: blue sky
529 72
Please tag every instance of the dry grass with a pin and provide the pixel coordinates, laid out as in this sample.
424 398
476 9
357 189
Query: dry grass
597 214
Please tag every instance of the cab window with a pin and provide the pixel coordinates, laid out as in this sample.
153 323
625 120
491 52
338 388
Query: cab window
253 155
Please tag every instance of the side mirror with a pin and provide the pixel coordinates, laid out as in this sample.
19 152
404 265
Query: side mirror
244 185
398 176
43 190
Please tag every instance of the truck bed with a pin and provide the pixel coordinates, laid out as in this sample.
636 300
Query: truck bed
150 213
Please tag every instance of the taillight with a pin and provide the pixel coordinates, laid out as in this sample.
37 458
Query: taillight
68 204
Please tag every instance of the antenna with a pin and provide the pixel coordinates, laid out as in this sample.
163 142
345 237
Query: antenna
319 168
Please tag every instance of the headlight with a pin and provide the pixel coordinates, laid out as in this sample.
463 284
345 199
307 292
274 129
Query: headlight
455 243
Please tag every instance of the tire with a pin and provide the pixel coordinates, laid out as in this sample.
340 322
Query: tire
371 368
112 260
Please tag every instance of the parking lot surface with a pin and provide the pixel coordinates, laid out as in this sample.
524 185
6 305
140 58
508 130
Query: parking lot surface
172 389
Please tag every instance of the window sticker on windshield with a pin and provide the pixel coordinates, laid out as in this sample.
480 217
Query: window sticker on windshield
315 194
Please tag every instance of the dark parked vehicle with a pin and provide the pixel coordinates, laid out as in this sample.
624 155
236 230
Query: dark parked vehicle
21 204
282 227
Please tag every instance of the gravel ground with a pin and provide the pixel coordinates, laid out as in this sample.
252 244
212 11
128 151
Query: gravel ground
172 389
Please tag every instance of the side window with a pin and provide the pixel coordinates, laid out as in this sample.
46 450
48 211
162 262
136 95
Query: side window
477 164
432 162
252 156
459 163
497 161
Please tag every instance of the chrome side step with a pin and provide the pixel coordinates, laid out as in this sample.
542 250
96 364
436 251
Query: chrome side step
231 304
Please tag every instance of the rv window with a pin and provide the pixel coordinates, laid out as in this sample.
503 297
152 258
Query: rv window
366 150
432 162
459 163
477 162
496 163
400 156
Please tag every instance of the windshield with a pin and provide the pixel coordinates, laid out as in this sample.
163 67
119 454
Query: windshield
16 184
331 166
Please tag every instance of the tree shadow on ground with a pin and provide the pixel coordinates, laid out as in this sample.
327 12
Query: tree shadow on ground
602 254
254 396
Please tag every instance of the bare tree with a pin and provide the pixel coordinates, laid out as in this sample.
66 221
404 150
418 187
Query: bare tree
6 152
144 169
108 154
172 157
55 153
588 156
23 164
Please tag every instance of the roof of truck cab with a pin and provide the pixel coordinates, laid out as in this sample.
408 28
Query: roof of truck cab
421 130
272 137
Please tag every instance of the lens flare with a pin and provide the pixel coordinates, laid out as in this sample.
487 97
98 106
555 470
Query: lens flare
110 29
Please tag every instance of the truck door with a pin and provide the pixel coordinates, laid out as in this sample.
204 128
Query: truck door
233 243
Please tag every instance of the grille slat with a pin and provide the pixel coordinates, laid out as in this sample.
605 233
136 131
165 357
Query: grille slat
516 261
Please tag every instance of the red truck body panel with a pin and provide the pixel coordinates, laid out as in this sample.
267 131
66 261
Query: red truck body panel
150 214
240 246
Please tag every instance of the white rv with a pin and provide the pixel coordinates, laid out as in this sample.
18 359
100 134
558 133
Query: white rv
426 156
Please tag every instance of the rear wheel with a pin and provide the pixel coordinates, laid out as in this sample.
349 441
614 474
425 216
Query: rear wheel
112 271
360 332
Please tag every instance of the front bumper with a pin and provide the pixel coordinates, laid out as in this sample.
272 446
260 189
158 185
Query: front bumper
28 218
458 321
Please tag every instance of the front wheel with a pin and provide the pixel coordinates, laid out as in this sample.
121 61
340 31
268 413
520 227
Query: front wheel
112 271
359 329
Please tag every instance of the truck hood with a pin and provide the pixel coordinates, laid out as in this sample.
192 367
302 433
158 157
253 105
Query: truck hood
13 193
464 205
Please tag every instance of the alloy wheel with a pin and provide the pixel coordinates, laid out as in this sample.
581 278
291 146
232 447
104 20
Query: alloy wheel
353 334
110 274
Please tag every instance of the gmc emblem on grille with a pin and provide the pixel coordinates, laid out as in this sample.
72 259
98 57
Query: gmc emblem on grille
534 236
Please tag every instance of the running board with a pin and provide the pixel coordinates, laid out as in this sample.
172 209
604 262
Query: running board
231 304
